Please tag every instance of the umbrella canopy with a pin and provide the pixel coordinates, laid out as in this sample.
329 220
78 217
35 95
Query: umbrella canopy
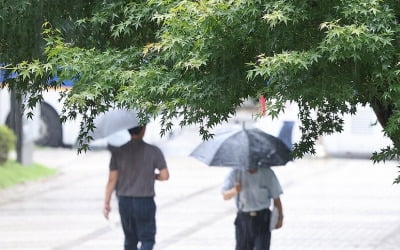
114 121
243 148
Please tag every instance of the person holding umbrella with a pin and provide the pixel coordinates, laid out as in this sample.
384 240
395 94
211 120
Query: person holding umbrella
250 153
253 190
134 167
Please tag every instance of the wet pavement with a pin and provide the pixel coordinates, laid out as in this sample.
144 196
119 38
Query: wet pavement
329 204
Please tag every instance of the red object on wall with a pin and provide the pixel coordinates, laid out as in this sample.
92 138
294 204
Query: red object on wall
263 106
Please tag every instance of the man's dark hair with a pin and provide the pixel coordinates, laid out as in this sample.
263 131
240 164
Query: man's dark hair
135 130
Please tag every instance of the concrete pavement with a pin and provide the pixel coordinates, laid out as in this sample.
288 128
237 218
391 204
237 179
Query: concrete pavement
329 204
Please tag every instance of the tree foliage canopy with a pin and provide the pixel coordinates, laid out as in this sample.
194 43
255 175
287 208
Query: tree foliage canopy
199 60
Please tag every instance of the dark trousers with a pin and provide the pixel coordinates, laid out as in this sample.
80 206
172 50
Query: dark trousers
138 222
252 231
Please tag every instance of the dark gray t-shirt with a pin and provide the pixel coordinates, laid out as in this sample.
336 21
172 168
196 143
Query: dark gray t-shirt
136 162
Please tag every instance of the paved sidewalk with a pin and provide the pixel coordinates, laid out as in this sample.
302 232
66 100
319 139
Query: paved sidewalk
330 204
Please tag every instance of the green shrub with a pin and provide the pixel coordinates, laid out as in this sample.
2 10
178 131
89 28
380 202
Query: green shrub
7 142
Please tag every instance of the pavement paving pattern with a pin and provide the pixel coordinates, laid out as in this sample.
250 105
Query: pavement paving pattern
329 204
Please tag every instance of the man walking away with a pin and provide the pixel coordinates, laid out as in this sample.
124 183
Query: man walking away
134 167
253 189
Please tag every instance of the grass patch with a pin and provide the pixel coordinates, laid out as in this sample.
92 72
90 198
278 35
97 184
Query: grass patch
12 173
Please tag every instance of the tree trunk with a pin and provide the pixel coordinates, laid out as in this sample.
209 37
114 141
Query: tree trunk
16 114
383 112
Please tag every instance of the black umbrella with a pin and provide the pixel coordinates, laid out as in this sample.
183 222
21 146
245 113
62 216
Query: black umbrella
243 148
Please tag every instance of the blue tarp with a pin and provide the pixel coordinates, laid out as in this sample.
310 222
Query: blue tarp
65 83
3 75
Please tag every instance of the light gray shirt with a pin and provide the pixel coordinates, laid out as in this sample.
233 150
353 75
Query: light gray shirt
257 189
136 162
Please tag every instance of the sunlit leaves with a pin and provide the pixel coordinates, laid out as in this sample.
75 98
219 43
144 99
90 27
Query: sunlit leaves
283 63
282 12
197 61
351 41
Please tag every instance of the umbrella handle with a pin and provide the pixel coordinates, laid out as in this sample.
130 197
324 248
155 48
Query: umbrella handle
239 181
